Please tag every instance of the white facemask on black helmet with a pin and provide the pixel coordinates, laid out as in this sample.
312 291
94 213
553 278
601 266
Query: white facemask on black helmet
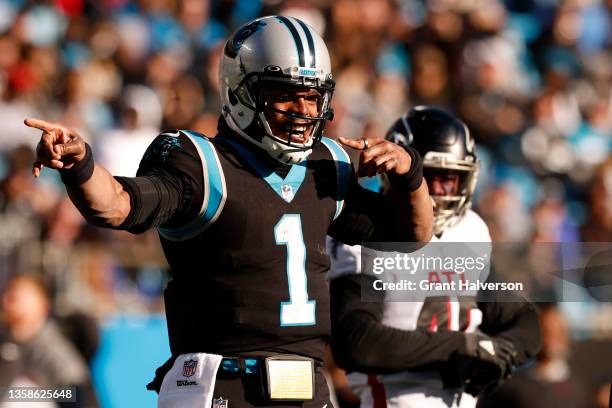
274 52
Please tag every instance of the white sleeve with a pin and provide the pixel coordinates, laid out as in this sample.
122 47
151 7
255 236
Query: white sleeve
482 237
345 259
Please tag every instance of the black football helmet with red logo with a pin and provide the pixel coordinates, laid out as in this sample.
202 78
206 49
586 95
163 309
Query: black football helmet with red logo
446 146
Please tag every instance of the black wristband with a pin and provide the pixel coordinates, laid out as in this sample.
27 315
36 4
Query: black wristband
81 171
412 180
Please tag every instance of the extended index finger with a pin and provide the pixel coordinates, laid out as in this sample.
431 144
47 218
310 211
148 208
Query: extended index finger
358 144
355 144
41 124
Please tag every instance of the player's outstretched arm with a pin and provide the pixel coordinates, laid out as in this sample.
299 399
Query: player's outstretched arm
412 210
361 342
94 191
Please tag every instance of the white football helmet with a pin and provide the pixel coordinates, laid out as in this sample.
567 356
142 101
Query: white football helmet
274 51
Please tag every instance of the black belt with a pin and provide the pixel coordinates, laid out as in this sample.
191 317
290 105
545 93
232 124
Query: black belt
241 365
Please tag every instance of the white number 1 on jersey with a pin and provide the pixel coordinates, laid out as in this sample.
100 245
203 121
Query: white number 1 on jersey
298 311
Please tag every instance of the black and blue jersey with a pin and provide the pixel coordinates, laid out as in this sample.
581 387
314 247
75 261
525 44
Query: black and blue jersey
245 239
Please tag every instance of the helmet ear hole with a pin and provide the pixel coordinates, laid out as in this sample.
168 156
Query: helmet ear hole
273 69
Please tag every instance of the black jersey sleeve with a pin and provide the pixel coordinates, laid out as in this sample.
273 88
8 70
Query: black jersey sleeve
360 342
168 188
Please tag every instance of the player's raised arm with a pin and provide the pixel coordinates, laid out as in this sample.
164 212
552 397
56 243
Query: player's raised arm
408 195
94 191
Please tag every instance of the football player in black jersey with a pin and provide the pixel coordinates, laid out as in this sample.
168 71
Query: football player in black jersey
242 219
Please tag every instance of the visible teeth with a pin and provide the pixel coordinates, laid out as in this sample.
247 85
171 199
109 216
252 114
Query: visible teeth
298 129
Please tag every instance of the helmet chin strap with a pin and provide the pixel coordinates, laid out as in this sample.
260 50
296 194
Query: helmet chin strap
283 153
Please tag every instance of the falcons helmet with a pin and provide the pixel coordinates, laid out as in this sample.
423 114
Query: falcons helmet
446 145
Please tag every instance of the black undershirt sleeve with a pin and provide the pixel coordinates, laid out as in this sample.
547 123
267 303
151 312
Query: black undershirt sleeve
510 316
515 320
168 188
360 342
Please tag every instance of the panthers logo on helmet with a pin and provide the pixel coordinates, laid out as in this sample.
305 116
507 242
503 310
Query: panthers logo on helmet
233 46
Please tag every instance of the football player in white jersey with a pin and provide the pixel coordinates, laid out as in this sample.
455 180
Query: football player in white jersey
433 352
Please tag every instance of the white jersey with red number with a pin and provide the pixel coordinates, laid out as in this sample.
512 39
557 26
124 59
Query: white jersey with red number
419 388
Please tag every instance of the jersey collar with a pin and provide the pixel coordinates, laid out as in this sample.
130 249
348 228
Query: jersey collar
286 187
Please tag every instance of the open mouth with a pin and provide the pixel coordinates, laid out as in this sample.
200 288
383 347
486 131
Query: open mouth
299 132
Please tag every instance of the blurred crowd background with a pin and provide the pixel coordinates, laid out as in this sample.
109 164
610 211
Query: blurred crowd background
531 78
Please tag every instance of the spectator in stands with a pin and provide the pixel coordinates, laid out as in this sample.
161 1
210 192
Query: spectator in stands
32 344
24 209
140 120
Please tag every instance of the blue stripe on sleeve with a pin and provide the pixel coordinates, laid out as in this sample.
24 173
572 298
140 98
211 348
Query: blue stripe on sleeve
214 195
343 171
